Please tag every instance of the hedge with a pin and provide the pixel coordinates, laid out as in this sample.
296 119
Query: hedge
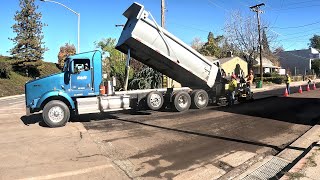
5 69
275 80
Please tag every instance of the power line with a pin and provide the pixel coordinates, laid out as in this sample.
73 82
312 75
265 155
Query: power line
282 2
292 27
302 32
302 2
218 6
189 27
301 7
296 37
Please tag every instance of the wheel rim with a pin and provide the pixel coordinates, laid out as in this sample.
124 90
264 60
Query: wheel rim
183 101
202 100
56 114
155 100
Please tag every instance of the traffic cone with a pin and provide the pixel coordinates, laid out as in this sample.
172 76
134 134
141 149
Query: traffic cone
314 86
300 90
308 87
286 93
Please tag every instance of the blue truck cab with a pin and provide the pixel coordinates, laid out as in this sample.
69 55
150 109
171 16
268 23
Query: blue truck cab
56 94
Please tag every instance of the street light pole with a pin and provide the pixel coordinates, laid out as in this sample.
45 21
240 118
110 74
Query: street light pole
78 14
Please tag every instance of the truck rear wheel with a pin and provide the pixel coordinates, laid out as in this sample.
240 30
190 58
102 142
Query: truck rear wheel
56 113
154 100
199 98
181 101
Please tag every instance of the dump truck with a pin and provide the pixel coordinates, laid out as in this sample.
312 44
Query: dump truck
80 87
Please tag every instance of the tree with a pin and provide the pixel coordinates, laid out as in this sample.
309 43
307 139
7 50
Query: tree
278 50
243 34
265 42
315 65
197 44
65 51
266 51
114 62
315 41
211 48
28 42
147 78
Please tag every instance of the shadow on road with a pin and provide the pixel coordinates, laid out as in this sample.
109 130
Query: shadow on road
37 118
295 110
33 119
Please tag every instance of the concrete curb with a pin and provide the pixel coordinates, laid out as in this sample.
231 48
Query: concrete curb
281 86
293 152
9 97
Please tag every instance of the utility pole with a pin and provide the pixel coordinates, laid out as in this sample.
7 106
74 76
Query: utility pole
165 79
163 9
256 8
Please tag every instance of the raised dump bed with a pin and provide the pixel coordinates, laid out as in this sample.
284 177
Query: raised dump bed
159 49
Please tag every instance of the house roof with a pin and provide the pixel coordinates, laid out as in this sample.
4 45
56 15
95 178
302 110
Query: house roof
211 58
223 60
265 63
304 54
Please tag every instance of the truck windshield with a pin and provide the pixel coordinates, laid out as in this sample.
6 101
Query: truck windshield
66 65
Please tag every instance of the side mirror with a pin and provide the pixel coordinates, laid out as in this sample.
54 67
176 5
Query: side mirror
71 67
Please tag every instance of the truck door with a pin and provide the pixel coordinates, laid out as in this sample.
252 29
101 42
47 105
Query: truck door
81 79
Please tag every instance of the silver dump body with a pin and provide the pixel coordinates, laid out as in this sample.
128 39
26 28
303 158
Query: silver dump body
159 49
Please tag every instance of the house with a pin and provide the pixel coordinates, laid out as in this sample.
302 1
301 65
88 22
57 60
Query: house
267 65
298 61
232 65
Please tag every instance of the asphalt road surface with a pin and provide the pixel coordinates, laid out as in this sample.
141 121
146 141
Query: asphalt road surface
198 144
201 144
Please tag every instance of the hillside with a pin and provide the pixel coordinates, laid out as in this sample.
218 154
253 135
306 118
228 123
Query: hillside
15 85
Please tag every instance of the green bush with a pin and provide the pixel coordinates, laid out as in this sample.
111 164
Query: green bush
5 69
297 78
275 80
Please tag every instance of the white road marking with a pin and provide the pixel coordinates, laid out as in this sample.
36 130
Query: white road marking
69 173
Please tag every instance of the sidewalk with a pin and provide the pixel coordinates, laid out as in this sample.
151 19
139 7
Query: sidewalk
280 86
308 167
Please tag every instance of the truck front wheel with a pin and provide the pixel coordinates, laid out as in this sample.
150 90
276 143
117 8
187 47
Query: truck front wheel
56 113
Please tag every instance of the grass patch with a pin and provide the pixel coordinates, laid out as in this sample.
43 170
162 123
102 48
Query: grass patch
48 68
15 84
311 162
295 175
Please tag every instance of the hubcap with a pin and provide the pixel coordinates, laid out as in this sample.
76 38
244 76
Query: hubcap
202 99
155 100
56 114
182 101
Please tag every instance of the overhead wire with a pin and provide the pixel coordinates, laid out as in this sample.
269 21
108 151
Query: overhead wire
301 26
215 4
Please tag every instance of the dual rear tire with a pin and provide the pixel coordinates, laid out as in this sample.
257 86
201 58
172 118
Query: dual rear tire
198 99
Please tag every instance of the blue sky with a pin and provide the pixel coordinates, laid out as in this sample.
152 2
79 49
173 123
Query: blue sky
295 21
